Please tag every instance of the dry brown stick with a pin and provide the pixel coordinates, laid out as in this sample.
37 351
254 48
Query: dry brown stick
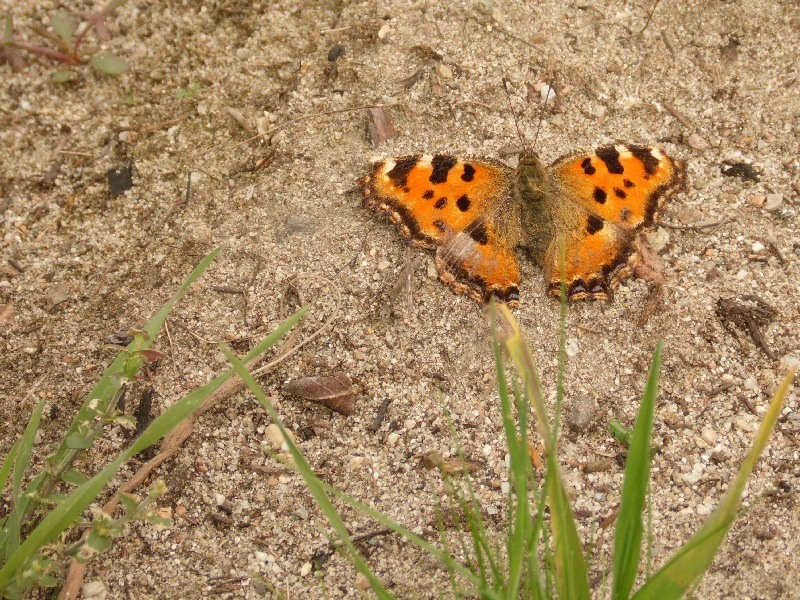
164 124
678 115
695 227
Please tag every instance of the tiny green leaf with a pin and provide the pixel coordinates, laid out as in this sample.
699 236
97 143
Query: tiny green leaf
62 76
74 477
129 503
108 63
188 92
97 542
77 441
619 431
64 25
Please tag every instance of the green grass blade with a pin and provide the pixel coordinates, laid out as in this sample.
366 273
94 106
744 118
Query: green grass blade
65 513
572 574
519 525
8 462
689 563
629 527
11 535
312 482
26 449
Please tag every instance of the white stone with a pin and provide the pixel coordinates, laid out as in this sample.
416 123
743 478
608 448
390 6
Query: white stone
691 478
758 246
773 202
709 436
409 424
392 438
572 347
305 569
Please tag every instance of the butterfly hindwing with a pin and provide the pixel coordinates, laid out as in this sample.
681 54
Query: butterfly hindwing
480 261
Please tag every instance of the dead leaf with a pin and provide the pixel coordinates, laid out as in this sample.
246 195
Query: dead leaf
334 391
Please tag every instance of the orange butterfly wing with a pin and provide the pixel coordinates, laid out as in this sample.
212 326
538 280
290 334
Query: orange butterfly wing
458 207
601 200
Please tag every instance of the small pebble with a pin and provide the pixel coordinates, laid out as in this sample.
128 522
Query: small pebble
751 384
773 202
691 478
444 71
703 510
392 438
757 200
94 590
383 32
758 246
409 424
698 142
790 362
709 436
305 569
581 414
572 348
362 582
657 239
273 433
383 265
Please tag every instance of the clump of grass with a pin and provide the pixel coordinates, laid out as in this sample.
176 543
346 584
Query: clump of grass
32 532
543 557
67 37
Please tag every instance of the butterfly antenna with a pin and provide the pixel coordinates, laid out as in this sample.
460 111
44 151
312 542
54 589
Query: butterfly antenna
513 114
544 107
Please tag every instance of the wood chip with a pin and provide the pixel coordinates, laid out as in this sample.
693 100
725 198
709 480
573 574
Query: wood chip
380 126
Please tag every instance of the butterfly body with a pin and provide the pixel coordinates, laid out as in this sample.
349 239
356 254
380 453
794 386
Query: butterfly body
475 213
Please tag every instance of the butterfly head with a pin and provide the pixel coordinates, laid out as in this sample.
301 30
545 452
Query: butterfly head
531 174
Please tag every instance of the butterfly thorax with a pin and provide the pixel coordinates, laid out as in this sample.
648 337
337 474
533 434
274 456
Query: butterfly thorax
532 192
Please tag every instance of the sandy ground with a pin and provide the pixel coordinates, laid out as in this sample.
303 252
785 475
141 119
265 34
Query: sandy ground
79 264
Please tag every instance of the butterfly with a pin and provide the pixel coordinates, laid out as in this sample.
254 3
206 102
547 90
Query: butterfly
476 212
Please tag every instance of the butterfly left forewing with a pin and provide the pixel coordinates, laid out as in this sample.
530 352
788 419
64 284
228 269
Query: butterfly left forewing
462 208
430 196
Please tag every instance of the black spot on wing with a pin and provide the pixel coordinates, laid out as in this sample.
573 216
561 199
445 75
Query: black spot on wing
620 193
587 167
463 203
610 156
650 162
440 203
439 224
600 195
399 173
478 233
593 224
628 183
441 164
469 173
428 195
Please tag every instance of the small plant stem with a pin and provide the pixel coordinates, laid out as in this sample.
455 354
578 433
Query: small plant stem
79 38
48 52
